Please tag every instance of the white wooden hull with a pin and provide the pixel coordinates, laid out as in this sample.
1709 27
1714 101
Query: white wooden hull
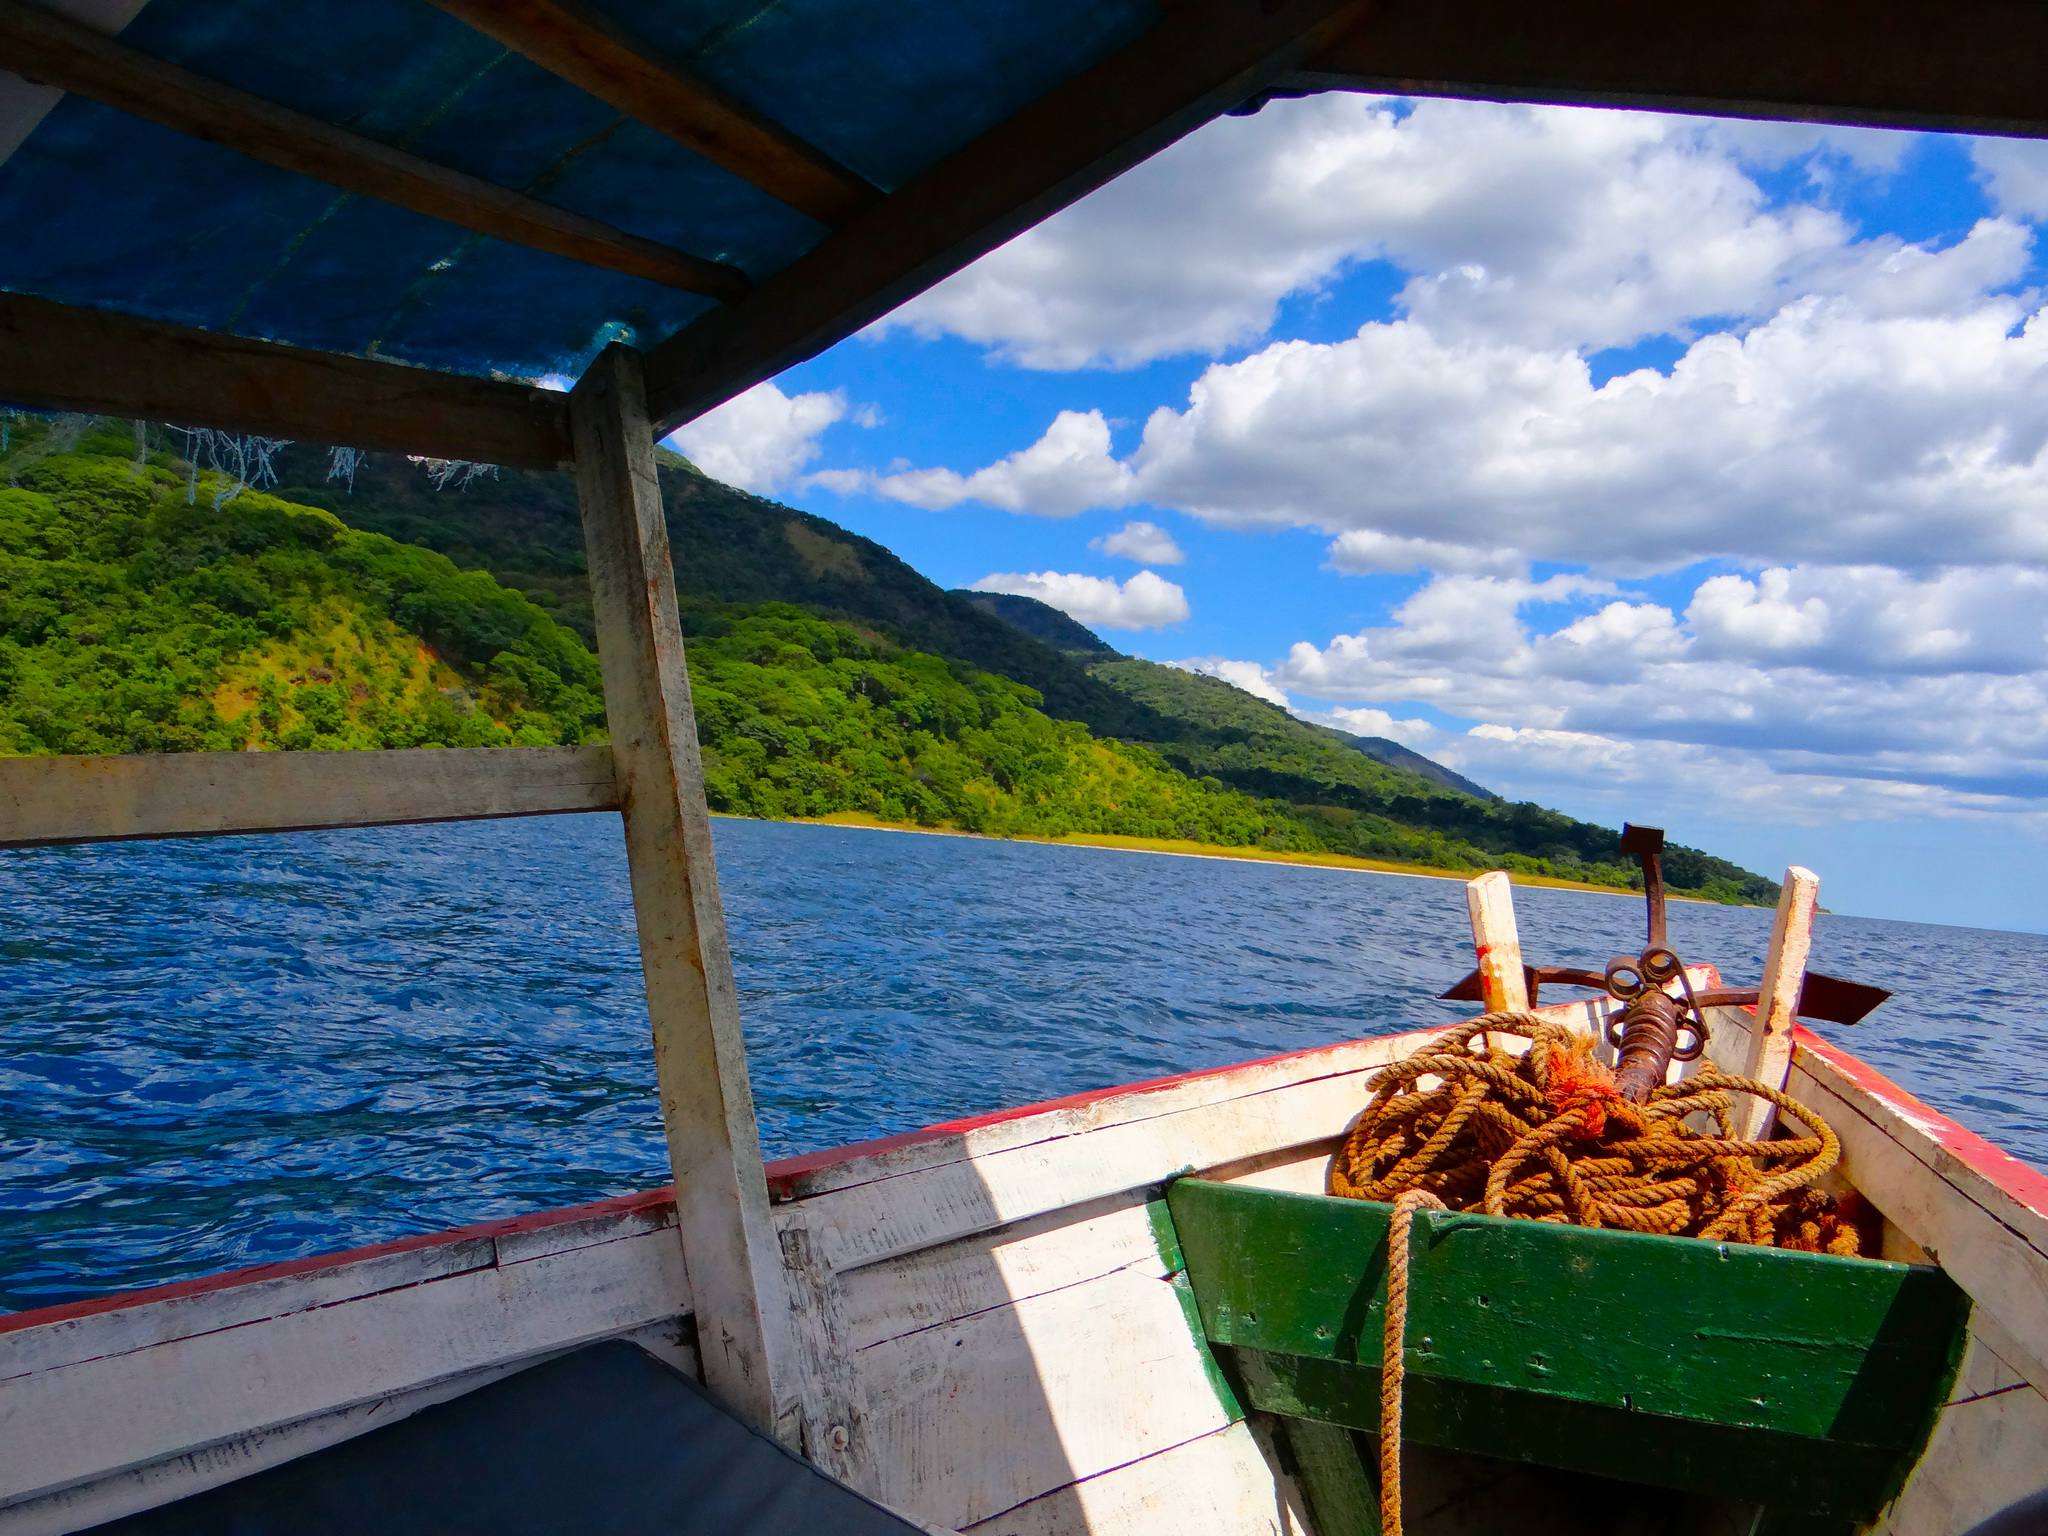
988 1337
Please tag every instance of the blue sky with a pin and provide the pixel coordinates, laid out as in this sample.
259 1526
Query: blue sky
1647 467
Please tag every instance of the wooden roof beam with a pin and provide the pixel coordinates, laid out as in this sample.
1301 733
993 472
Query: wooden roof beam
1202 58
56 357
53 50
1971 66
584 48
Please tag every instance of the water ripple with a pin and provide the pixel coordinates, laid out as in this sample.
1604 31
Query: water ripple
243 1050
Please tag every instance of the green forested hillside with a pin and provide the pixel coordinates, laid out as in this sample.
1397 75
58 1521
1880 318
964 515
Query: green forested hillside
729 547
135 620
803 717
1041 621
146 608
132 620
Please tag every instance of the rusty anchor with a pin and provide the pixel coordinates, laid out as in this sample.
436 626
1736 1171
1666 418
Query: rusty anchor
1660 1025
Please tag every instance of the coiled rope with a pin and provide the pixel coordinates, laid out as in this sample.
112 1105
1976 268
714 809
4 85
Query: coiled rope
1464 1125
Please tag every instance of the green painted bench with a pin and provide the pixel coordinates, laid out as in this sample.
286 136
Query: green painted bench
1799 1382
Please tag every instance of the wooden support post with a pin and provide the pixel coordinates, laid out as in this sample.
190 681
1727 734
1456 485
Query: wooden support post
707 1106
1777 1005
1491 901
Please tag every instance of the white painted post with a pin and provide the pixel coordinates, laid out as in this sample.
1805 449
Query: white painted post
1777 1005
707 1105
1491 901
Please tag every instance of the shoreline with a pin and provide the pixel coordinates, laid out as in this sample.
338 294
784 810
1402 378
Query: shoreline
1178 849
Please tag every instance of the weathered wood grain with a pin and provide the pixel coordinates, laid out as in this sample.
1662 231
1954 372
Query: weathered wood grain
57 51
904 1198
1497 942
57 357
990 1270
585 48
1985 1454
707 1104
1769 1057
1898 1155
1201 58
46 800
849 1168
1332 1475
974 1417
1217 1485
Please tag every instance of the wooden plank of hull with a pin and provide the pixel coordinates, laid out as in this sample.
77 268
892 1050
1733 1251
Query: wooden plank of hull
110 1325
49 800
977 1416
981 1273
921 1151
872 1222
1985 1455
139 1385
1983 1216
1218 1485
798 1178
915 1193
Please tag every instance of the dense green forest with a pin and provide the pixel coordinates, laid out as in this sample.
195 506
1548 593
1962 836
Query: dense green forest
135 616
149 606
134 619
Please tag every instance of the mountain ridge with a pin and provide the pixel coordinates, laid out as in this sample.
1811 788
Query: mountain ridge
730 545
1047 623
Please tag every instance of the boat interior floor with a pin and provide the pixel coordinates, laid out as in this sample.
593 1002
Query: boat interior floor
606 1438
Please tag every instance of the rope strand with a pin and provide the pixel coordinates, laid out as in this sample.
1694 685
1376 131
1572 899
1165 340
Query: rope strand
1393 1344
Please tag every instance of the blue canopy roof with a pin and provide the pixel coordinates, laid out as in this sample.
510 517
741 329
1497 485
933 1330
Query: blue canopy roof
107 210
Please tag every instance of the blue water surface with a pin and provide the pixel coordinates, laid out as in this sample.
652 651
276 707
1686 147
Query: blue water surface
238 1050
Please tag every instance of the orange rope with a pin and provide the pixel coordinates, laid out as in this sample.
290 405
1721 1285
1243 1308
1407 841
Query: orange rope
1393 1364
1464 1125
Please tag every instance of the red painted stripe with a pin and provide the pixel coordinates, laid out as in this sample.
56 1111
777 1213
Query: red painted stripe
2024 1183
785 1177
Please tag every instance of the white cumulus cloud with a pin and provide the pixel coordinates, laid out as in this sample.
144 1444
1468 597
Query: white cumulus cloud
2015 174
1068 470
1544 226
1831 432
1146 601
1146 543
1860 690
762 439
1363 720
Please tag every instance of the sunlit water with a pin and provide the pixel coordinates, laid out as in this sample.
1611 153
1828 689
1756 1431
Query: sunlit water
228 1052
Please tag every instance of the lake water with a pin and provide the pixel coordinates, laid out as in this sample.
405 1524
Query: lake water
239 1050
